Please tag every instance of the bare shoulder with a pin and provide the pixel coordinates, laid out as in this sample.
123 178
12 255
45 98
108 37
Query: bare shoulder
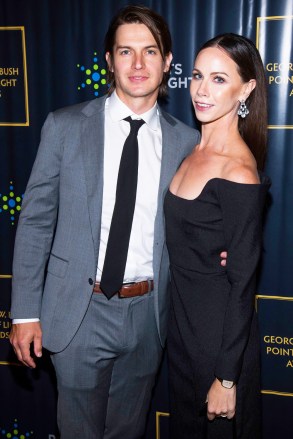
186 162
243 173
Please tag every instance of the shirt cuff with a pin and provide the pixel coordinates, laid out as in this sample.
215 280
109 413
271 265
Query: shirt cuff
15 321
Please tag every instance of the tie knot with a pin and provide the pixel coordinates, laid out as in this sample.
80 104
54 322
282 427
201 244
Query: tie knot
135 124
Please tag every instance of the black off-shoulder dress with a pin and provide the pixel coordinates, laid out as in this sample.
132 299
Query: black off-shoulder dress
213 329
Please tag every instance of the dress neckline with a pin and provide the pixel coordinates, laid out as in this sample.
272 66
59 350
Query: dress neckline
264 180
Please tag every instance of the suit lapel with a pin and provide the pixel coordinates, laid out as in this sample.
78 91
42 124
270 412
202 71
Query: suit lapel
93 160
170 152
169 165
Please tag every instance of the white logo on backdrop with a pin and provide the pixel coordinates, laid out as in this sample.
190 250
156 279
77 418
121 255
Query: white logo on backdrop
177 80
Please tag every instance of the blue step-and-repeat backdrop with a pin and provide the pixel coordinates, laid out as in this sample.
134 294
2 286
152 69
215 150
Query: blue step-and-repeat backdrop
51 55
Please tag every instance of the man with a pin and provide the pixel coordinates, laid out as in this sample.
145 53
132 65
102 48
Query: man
106 351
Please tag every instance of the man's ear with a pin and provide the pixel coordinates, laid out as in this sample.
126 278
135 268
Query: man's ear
168 60
109 61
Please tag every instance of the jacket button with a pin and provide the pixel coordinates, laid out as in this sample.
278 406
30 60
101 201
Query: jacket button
91 281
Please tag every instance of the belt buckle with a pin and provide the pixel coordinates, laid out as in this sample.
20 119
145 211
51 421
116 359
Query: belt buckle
119 291
120 295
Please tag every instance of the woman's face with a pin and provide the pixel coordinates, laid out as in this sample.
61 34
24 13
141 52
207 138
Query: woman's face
216 87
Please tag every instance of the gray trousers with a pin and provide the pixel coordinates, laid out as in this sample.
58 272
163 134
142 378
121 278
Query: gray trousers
106 374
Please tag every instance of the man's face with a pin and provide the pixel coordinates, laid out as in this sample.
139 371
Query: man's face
137 65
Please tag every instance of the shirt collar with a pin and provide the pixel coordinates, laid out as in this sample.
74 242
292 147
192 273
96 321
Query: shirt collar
117 111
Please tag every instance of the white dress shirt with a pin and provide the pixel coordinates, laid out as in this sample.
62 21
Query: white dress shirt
139 265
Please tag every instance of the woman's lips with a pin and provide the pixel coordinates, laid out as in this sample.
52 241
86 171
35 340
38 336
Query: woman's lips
201 106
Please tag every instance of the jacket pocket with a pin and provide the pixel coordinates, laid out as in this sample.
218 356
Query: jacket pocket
57 266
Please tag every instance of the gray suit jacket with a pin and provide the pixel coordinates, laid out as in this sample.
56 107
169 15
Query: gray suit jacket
57 240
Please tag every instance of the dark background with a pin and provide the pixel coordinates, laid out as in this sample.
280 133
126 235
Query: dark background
63 36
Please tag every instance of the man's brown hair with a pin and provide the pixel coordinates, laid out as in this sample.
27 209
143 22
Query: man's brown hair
156 25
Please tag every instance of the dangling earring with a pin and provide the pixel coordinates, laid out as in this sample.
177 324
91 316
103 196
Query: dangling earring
243 110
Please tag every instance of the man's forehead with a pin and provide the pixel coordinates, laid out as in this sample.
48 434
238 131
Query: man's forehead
134 34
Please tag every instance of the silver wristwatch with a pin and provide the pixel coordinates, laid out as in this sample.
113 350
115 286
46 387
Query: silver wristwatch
226 383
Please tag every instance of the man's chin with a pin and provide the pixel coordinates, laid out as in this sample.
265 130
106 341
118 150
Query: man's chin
141 92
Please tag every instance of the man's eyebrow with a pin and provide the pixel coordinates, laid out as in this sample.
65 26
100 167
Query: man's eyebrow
152 46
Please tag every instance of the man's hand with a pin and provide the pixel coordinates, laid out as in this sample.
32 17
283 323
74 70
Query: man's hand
223 256
21 337
221 401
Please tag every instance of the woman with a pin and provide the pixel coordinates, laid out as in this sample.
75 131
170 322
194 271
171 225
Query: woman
215 202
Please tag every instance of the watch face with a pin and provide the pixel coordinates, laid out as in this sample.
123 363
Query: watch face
227 384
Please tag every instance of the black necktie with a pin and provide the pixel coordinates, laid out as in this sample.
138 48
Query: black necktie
120 229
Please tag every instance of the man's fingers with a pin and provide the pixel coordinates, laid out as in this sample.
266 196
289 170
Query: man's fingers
27 359
17 353
23 355
24 335
38 346
22 350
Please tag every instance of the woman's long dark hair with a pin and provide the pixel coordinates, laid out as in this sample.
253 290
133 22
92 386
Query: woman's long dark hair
252 128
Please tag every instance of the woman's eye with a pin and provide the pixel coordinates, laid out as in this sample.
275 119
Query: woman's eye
196 75
219 79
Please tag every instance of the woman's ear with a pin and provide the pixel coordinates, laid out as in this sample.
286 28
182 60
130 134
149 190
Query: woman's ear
247 89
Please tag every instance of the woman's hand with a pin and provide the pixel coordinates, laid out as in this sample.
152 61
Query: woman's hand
221 401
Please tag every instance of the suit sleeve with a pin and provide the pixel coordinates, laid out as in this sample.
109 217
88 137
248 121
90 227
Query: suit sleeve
242 206
36 225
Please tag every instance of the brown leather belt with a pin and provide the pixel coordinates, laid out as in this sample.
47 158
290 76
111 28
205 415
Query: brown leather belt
132 289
